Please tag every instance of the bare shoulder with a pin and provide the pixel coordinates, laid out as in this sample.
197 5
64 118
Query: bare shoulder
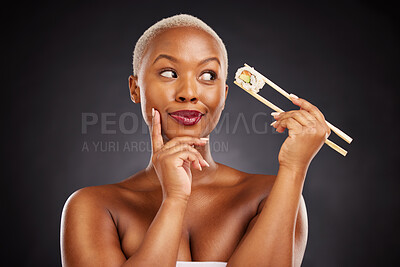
255 186
99 202
103 197
89 235
93 198
259 185
264 181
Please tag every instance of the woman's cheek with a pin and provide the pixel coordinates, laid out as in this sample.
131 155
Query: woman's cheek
215 111
149 101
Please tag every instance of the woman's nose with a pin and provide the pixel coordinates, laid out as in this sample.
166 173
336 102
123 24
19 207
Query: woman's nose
187 92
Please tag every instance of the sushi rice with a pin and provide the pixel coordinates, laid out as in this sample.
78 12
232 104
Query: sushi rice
255 83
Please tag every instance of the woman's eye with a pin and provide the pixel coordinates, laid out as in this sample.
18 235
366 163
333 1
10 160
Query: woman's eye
207 76
169 74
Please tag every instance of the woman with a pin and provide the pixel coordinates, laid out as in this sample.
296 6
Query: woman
185 206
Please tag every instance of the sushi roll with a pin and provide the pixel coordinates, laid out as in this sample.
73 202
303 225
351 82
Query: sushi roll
249 79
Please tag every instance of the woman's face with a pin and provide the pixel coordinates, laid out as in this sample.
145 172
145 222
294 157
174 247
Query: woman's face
182 69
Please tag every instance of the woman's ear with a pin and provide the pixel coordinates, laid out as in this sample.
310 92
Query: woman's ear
226 94
134 89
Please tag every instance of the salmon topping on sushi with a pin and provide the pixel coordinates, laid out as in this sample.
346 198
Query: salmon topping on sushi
249 79
245 76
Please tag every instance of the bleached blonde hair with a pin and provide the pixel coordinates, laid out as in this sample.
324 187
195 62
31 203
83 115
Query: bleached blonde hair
181 20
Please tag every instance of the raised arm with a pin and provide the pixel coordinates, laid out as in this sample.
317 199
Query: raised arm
278 234
89 234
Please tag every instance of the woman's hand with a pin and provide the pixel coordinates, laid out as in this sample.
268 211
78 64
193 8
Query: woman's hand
172 161
307 133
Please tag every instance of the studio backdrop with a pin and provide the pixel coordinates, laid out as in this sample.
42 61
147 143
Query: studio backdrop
69 121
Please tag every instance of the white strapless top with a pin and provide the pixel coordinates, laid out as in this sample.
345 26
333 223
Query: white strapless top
200 264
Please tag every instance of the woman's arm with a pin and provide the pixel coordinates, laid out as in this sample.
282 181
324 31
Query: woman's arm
89 236
161 243
278 234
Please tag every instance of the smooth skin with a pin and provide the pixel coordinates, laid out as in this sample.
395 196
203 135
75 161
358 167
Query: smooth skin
185 206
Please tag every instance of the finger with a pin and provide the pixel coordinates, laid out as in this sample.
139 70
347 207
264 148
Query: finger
186 140
180 147
302 116
304 104
156 138
308 122
291 124
186 147
186 156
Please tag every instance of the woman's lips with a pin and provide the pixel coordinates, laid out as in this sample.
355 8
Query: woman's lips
187 117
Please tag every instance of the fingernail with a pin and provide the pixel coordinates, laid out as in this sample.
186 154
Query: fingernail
275 114
273 123
205 162
152 112
293 96
200 167
204 139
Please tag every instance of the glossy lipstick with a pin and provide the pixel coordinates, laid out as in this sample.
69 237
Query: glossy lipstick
187 117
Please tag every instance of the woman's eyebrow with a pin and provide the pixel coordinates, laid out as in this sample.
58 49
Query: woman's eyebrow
171 58
210 59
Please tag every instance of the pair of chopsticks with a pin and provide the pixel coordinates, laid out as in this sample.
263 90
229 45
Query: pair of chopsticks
336 130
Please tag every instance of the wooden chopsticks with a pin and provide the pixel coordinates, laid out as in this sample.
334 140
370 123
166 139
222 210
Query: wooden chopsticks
336 130
277 109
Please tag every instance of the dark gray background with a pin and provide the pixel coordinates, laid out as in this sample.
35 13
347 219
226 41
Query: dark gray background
66 59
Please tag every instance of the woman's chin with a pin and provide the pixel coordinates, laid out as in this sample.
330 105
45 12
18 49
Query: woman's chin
172 133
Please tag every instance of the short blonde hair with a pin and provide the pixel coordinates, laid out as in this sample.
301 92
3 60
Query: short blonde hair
182 20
